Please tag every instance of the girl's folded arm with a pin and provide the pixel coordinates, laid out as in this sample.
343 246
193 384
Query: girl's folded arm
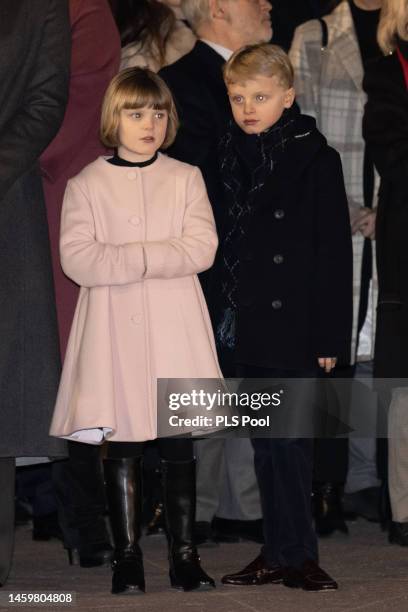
85 260
195 250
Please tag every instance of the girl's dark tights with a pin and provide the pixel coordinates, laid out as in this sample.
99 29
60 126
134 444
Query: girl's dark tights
170 449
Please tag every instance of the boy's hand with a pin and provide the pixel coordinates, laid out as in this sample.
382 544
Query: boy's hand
328 363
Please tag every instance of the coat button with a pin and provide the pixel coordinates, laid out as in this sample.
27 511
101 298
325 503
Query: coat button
136 319
131 175
278 259
276 304
135 220
279 213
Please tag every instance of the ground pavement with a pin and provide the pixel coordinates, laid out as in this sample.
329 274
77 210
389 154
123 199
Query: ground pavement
372 574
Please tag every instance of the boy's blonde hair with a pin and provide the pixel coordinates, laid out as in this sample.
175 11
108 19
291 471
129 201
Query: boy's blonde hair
393 23
136 88
262 59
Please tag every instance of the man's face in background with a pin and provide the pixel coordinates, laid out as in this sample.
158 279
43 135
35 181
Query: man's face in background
250 20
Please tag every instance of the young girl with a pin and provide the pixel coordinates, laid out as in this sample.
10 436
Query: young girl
135 231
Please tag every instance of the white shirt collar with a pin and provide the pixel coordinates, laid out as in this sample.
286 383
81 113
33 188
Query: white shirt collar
223 51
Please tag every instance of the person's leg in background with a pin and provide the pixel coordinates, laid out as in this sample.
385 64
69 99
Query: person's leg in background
362 488
330 470
80 491
210 475
7 485
34 485
226 466
329 475
398 466
239 512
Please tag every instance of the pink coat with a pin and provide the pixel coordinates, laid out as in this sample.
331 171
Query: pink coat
134 239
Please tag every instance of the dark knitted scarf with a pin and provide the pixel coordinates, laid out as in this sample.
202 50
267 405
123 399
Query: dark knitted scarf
246 161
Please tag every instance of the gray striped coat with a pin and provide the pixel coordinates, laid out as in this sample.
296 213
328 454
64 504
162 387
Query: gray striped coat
328 86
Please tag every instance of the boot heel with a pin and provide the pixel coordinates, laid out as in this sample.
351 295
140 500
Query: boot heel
73 556
128 577
174 583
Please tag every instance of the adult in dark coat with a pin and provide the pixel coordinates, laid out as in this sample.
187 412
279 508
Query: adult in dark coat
79 482
204 112
385 129
202 102
34 71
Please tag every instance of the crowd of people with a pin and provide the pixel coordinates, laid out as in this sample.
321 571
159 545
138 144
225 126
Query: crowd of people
200 196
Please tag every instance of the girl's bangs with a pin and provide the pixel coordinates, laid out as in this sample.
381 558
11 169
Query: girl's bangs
149 96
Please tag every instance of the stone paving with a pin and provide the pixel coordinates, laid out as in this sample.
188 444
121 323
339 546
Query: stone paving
373 576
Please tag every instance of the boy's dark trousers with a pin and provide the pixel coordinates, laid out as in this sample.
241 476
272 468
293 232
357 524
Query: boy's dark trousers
284 469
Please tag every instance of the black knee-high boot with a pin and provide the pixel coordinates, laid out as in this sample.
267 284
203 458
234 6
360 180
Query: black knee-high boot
124 494
179 497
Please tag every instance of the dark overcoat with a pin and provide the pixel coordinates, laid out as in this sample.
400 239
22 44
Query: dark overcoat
204 110
295 273
77 143
385 129
34 72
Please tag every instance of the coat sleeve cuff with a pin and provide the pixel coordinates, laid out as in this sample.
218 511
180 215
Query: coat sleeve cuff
135 258
154 260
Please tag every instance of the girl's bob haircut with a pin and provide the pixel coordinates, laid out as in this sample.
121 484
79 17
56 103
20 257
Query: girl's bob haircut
262 59
136 88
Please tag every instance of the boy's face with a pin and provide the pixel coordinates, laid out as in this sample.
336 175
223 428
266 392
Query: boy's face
141 133
258 103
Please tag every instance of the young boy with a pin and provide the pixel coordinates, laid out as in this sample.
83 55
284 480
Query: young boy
285 271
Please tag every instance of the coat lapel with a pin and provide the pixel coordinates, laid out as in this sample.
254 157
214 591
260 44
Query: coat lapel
344 44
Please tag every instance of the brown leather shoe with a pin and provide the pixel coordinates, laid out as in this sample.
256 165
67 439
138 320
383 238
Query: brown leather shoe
310 577
254 574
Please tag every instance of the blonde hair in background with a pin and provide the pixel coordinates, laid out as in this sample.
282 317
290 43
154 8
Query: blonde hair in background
263 59
196 12
393 23
136 88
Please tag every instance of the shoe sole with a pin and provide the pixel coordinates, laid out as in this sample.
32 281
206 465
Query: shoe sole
129 592
231 584
296 585
202 587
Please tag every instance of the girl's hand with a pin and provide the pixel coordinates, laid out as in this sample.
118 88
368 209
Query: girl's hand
328 363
